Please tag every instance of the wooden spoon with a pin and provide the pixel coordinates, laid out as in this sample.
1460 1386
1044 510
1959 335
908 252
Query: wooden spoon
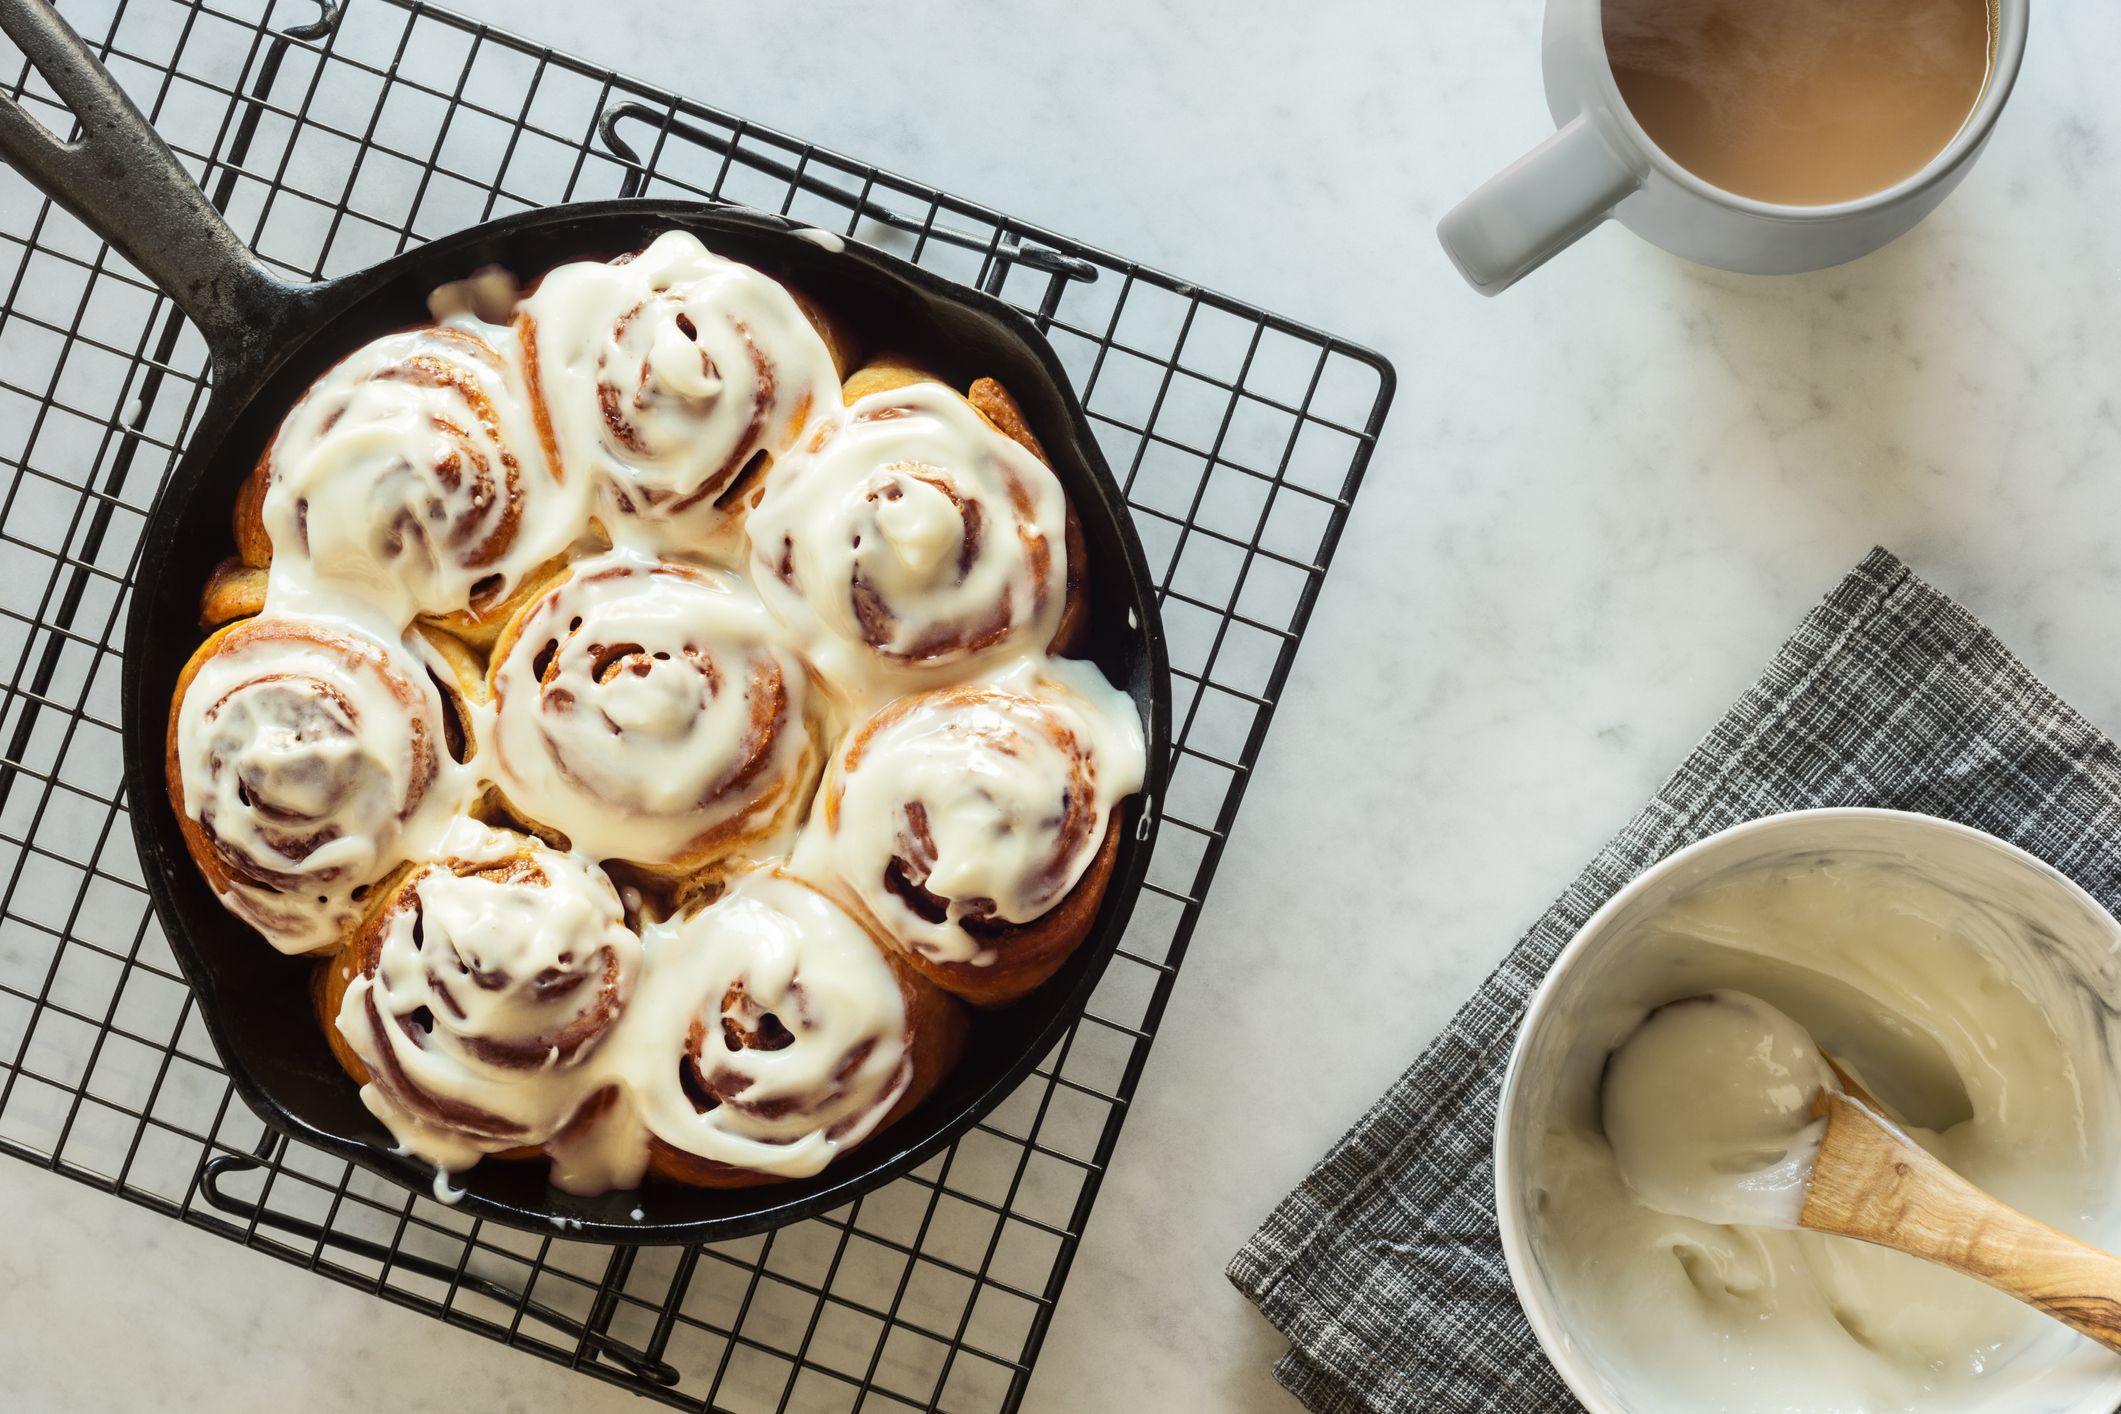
1714 1105
1873 1183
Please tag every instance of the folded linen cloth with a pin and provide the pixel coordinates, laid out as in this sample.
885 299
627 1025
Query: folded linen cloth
1384 1269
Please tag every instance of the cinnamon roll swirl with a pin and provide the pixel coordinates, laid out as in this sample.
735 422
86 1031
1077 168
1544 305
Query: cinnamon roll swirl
473 994
645 712
412 477
976 824
668 375
298 751
774 1034
915 534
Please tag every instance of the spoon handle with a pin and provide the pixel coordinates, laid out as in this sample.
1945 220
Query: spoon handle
1873 1183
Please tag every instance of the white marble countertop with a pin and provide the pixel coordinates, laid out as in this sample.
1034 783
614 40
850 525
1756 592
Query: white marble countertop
1601 502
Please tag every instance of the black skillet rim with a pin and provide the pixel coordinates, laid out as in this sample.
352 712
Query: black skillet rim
899 1149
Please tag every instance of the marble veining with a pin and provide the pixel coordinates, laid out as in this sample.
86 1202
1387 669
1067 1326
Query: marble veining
1601 502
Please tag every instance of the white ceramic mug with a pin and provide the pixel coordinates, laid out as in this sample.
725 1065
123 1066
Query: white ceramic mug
1601 163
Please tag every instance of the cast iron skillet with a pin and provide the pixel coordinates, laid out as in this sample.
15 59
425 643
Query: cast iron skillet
269 340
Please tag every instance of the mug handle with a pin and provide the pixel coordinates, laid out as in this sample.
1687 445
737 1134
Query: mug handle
1537 207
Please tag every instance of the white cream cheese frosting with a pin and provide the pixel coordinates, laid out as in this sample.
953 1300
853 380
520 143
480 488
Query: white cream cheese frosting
766 1032
313 757
1709 1107
909 537
412 479
664 374
989 799
778 964
1941 1007
492 985
647 709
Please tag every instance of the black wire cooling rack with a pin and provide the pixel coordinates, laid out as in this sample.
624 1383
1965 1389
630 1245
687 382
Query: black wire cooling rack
334 135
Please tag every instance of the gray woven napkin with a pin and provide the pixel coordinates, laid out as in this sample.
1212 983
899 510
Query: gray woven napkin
1384 1268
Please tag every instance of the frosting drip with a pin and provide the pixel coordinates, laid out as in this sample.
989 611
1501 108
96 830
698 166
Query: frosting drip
911 535
955 813
304 749
665 374
644 710
412 478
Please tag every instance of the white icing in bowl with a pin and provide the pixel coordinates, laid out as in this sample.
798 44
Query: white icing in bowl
1961 980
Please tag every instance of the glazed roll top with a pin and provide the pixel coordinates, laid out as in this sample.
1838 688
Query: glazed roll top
645 711
301 750
912 535
665 374
958 814
479 985
412 478
774 1031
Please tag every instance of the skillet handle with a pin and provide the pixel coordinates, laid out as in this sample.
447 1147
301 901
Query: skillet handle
125 184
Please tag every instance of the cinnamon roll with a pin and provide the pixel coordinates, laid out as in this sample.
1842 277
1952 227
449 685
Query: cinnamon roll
298 751
976 824
411 477
645 712
473 995
669 375
915 534
774 1033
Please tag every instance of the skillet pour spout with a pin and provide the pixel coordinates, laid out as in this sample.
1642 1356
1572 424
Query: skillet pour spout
269 339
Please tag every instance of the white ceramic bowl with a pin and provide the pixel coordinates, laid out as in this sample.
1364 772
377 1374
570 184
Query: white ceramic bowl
2064 926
